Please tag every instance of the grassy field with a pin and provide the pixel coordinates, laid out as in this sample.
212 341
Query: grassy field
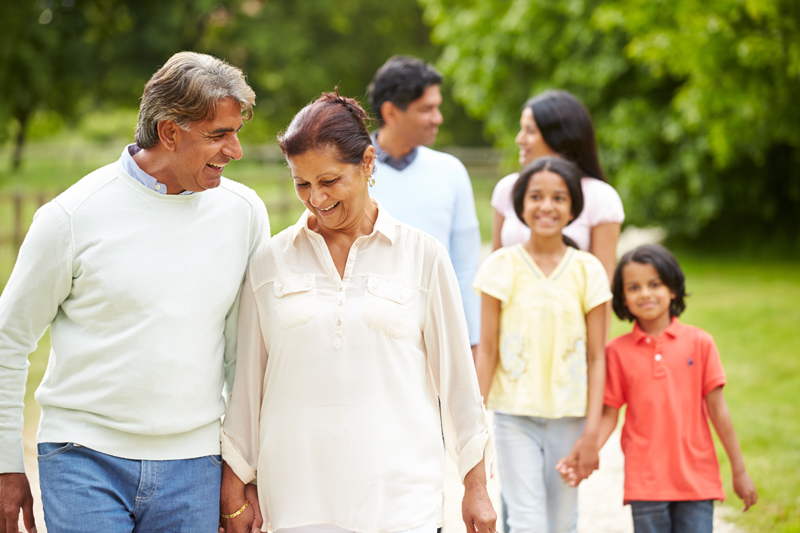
750 307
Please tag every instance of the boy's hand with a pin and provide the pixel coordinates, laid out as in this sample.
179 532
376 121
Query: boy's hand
744 488
567 472
583 459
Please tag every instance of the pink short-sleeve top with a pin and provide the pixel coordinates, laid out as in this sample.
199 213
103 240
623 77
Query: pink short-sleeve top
601 205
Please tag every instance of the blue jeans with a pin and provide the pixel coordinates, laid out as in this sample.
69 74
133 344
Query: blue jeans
85 490
528 449
673 517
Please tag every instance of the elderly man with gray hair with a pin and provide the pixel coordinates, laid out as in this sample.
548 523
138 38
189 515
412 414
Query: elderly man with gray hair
137 270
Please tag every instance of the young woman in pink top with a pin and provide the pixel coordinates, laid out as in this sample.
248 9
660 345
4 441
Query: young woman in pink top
556 123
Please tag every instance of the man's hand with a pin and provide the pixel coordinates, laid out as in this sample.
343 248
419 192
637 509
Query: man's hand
744 488
15 494
476 507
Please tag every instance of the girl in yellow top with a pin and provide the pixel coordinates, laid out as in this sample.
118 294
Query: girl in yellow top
542 320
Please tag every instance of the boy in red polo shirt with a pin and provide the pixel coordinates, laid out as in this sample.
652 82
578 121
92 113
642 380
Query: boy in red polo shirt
671 377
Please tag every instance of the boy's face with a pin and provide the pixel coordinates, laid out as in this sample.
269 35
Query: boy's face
646 296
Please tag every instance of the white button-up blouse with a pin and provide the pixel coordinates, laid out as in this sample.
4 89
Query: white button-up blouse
334 407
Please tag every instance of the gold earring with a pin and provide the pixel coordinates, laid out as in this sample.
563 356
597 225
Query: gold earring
371 180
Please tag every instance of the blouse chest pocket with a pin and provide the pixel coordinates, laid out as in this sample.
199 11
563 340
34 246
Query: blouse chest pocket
385 305
296 300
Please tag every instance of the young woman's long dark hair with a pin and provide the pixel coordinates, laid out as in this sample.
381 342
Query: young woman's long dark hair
567 129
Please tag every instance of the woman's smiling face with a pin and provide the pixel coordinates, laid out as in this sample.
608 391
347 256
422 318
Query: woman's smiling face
336 193
529 139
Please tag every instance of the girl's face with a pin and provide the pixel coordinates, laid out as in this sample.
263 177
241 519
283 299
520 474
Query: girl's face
529 139
547 207
335 192
646 296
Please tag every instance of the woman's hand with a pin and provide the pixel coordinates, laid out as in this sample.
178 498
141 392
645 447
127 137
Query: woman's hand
476 507
243 523
233 495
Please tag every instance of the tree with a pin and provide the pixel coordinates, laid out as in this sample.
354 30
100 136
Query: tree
694 103
43 62
293 51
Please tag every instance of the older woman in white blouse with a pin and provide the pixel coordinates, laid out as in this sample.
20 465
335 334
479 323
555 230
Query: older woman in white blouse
350 330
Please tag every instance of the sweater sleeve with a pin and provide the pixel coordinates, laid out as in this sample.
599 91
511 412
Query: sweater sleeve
466 431
260 231
40 282
465 246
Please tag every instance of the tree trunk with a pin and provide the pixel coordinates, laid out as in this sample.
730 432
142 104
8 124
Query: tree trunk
20 141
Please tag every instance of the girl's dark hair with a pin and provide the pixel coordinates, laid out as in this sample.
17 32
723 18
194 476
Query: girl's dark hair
329 121
567 129
668 270
571 175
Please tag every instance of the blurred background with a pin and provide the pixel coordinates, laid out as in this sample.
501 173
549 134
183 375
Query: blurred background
696 107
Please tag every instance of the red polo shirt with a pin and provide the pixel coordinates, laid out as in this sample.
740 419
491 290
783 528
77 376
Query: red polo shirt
666 439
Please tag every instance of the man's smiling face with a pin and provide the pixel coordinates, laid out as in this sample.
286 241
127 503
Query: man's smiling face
205 147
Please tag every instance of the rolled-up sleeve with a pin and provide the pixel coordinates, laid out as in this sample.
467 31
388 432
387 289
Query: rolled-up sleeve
466 431
240 431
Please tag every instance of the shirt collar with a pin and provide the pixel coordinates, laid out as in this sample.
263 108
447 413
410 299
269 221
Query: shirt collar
672 330
383 157
385 224
132 168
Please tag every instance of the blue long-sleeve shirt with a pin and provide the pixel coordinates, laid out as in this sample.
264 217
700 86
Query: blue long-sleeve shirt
433 193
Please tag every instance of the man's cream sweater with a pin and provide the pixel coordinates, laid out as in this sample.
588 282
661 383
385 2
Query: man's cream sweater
140 291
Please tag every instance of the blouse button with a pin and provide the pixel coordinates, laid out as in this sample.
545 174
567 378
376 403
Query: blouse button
351 258
647 340
341 289
658 357
341 302
338 322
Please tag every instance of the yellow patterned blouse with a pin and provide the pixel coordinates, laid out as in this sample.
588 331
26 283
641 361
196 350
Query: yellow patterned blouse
542 368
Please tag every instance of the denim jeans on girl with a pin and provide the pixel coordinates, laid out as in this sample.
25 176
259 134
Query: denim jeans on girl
85 490
528 448
695 516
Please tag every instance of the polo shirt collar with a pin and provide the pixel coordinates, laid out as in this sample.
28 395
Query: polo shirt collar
672 330
385 158
385 224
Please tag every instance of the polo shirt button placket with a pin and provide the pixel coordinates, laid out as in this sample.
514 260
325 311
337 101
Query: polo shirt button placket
659 370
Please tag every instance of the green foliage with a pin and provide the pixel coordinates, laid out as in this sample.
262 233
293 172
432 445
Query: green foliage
695 103
70 56
293 51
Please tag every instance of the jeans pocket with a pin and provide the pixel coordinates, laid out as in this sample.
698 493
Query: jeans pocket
385 306
51 449
216 460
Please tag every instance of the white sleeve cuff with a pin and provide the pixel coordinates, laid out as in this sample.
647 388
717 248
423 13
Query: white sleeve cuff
232 456
473 453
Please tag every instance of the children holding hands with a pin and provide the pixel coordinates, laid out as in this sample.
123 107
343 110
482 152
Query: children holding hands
670 377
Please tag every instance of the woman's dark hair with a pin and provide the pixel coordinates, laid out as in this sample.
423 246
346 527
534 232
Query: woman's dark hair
668 270
329 121
571 175
567 129
401 80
